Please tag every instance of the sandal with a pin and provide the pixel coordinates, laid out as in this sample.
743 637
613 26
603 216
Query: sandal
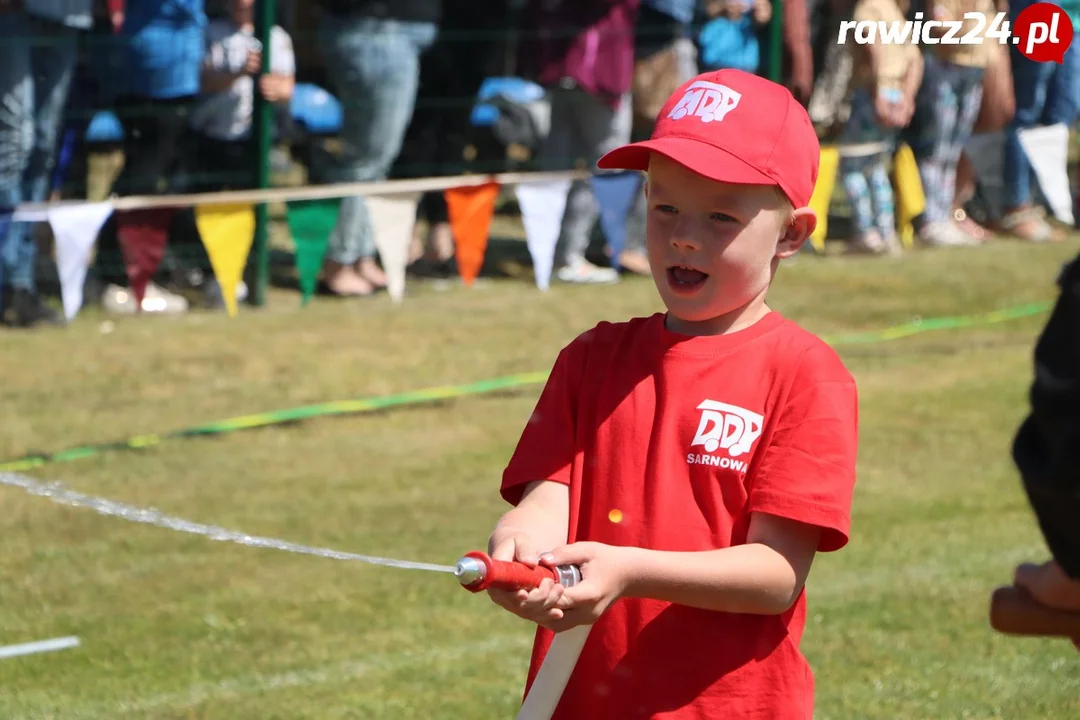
1030 224
970 227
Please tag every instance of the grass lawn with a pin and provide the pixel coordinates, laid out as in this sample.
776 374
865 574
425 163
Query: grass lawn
177 626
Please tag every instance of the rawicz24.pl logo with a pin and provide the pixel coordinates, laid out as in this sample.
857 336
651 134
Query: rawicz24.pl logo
1042 32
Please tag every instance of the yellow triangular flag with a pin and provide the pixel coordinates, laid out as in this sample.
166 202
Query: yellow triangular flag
227 232
910 199
822 197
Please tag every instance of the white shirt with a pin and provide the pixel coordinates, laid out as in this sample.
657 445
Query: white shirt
227 115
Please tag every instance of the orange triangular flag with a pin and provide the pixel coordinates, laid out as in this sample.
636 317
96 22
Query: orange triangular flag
470 210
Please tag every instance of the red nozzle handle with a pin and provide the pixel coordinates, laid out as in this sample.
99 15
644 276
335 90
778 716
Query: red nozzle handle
504 575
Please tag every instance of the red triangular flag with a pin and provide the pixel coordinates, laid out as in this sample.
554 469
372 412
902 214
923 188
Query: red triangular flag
142 235
470 210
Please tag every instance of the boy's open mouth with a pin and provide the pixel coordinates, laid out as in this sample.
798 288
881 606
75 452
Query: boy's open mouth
685 278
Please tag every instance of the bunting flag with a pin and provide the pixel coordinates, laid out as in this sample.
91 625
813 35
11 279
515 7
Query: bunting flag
75 229
615 193
392 221
1047 149
227 232
821 200
310 224
910 199
142 235
542 206
471 210
986 153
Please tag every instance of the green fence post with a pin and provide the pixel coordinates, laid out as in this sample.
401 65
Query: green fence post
776 41
261 137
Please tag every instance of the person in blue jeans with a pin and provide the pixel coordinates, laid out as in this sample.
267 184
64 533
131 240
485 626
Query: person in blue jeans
38 49
372 52
1046 94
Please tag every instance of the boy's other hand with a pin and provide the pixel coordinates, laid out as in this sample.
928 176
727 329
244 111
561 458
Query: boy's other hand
536 605
605 575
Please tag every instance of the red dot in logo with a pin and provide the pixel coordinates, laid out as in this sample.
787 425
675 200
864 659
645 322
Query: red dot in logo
1044 32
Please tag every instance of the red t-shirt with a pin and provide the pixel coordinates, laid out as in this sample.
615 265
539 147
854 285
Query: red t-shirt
685 437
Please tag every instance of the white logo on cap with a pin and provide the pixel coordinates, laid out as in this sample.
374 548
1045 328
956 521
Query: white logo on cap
707 101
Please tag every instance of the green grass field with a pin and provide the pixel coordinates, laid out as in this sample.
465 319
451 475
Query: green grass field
178 626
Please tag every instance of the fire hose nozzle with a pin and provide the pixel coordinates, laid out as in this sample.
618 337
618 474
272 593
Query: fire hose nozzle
477 571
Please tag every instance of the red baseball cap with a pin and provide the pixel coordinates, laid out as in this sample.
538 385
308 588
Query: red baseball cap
735 127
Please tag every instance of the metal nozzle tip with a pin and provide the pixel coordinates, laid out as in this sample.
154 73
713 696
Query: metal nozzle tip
469 571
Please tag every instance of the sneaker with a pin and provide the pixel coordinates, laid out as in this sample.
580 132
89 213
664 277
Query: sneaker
874 243
584 272
946 234
121 300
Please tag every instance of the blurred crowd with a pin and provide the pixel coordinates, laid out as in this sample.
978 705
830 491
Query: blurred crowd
183 76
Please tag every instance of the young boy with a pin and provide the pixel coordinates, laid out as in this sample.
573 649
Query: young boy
695 460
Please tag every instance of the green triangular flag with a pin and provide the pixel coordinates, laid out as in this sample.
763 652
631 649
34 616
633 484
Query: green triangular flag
310 223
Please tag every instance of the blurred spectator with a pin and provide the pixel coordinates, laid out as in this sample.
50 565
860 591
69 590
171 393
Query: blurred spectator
729 38
222 117
38 49
372 50
665 57
882 99
160 47
1046 94
439 141
161 44
797 70
996 111
829 105
582 51
945 113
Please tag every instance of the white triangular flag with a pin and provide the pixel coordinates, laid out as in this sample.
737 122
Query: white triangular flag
542 206
75 228
392 220
986 151
1047 149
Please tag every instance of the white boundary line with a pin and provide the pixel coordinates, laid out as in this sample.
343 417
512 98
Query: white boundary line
41 646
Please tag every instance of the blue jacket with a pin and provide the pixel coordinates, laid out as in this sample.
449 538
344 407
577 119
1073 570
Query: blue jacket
161 48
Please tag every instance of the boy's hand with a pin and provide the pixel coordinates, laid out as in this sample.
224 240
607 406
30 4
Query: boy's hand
536 605
605 575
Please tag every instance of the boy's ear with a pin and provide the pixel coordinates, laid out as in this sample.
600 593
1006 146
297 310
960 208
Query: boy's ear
796 232
645 187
